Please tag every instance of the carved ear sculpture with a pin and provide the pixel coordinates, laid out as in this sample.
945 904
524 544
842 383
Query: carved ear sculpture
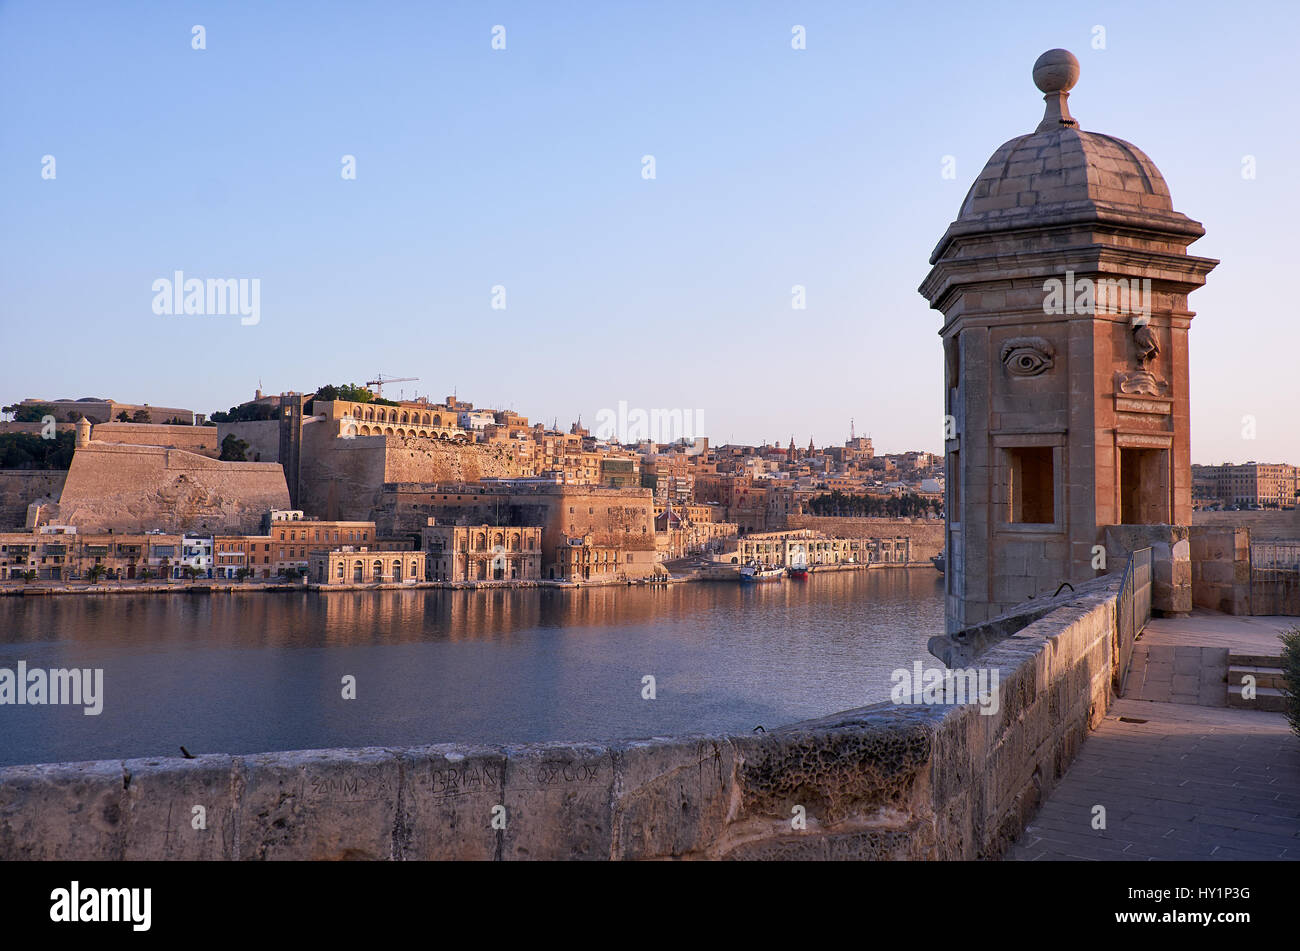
1027 356
1148 347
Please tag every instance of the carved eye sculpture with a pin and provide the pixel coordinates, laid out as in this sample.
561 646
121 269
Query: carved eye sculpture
1028 356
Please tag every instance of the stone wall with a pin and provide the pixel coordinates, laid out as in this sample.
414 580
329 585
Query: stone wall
1266 526
1275 591
343 478
1171 561
881 782
262 436
141 488
926 534
1221 568
19 488
199 439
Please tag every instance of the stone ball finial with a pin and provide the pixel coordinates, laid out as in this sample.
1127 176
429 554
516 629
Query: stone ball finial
1056 71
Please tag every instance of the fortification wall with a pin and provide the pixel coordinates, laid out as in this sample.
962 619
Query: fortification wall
198 439
138 488
1220 568
19 488
1267 526
344 478
882 782
430 460
262 436
926 534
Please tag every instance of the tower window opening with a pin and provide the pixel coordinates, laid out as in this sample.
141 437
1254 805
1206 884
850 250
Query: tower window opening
1032 485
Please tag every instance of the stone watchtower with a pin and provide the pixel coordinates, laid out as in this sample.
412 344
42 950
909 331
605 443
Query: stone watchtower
1063 285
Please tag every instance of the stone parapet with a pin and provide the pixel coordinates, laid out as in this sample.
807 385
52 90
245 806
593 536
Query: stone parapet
1221 568
881 782
1171 561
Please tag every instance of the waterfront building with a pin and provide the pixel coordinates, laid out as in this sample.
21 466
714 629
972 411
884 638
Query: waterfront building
1246 486
19 554
620 520
196 553
798 547
233 552
360 564
483 552
294 536
581 559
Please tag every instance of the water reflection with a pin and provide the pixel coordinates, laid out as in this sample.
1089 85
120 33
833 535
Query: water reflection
249 672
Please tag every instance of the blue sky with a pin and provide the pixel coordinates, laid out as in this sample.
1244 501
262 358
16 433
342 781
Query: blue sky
522 167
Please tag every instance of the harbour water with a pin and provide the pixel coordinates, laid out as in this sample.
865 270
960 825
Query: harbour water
254 672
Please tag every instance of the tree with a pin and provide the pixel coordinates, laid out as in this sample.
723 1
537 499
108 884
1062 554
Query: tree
140 416
144 574
30 451
190 572
350 392
95 573
248 412
122 417
244 573
233 448
28 576
31 413
1291 676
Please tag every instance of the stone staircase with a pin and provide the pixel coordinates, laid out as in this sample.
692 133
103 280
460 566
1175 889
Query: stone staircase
1266 669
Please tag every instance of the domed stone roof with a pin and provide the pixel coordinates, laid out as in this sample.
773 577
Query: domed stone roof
1048 173
1061 174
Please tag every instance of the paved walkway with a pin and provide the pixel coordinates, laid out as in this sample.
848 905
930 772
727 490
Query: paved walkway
1242 635
1179 779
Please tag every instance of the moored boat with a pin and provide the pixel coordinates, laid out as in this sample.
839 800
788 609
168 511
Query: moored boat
752 573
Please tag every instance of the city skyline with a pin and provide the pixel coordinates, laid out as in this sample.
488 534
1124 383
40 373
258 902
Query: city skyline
478 169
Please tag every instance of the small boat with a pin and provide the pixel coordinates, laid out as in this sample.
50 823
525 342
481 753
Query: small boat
752 573
939 561
798 572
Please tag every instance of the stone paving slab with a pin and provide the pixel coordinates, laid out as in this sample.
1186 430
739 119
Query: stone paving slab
1178 674
1191 782
1243 635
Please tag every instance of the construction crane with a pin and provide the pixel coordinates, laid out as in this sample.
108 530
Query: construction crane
378 383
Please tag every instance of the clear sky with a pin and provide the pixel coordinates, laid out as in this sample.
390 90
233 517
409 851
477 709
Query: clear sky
522 167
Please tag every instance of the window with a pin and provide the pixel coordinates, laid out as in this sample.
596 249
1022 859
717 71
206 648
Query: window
1144 486
953 487
1032 485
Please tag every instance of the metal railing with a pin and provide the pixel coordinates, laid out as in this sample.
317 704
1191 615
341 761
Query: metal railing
1133 611
1275 555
